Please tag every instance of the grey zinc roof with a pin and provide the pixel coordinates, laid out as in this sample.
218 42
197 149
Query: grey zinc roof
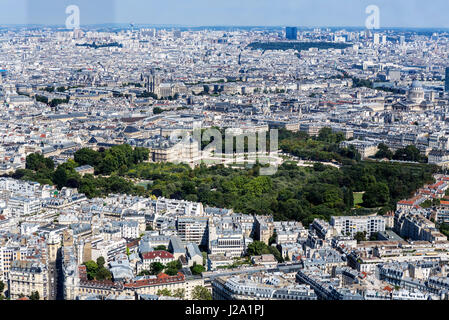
85 167
176 245
193 249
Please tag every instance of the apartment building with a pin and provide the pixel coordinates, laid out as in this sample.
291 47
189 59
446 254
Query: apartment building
177 207
415 226
193 229
214 261
70 272
262 287
19 187
108 249
350 225
128 229
289 231
322 229
160 256
264 228
26 277
8 254
21 206
153 284
232 245
325 286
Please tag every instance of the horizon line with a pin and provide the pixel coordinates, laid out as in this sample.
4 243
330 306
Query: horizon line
133 24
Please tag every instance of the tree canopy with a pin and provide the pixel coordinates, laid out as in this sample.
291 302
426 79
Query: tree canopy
96 270
409 153
197 269
292 193
156 268
201 293
376 195
34 295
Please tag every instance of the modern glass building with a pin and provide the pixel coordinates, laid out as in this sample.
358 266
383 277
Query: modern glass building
291 33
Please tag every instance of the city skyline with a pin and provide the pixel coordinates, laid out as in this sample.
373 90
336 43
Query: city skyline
320 13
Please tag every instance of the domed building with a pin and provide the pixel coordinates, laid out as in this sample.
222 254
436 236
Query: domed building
416 92
415 100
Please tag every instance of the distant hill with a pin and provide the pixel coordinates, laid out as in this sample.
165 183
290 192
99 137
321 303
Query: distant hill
299 46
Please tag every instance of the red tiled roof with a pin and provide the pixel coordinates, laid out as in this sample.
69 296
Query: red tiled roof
131 244
410 201
83 272
161 278
436 185
161 254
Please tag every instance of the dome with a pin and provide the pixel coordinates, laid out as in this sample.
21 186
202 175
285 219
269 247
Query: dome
416 92
416 85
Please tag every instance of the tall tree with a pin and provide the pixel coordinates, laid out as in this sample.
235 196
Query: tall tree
164 292
201 293
60 177
100 262
179 293
34 295
376 195
197 269
156 268
348 197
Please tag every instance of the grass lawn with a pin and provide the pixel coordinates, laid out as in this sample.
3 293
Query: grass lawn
144 184
358 198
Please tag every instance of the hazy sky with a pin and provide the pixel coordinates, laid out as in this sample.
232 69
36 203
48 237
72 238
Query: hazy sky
393 13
